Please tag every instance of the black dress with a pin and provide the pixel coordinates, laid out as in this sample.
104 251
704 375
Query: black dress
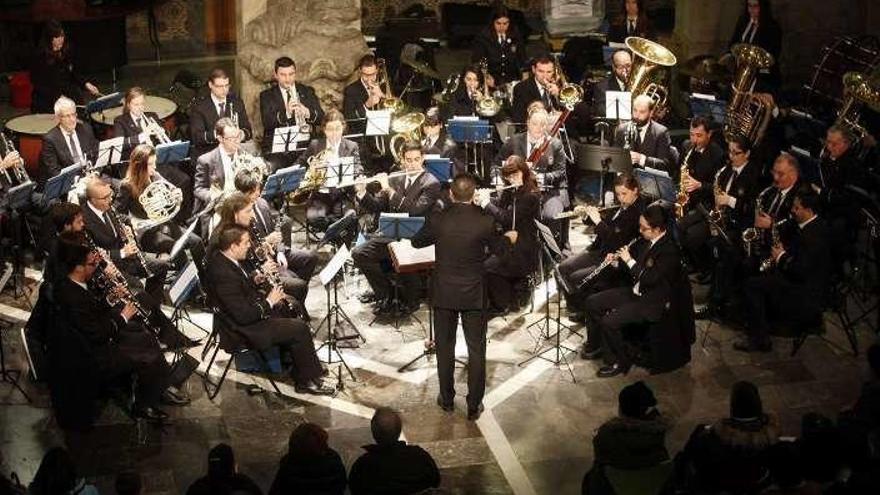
52 77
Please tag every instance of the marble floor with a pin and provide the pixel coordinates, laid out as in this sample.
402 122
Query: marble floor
535 436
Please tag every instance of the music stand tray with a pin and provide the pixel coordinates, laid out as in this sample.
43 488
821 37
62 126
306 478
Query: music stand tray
439 167
104 102
715 109
20 196
469 130
174 151
656 183
398 228
58 186
283 181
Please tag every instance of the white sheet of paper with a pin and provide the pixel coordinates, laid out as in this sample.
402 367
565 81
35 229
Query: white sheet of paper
409 255
288 139
618 101
334 265
378 122
182 282
110 151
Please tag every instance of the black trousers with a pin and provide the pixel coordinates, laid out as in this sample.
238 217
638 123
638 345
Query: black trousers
771 296
292 335
373 259
136 351
577 267
161 239
175 175
474 324
693 231
608 312
301 265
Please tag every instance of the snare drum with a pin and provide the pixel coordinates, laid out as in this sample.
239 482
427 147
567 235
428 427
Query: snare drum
30 130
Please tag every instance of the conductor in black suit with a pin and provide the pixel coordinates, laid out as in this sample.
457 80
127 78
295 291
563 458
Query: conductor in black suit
65 144
462 235
221 102
656 274
541 86
285 104
647 140
261 319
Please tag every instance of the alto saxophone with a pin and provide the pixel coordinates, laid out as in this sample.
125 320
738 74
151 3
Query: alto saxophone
770 261
682 197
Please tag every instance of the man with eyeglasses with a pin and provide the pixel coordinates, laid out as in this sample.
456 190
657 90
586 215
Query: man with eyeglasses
221 102
65 144
621 63
415 194
215 170
288 103
358 97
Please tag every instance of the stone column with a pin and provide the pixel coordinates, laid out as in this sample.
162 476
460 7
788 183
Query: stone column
703 27
322 36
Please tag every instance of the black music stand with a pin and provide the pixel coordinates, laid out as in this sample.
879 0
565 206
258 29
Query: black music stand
552 254
175 151
397 228
58 186
20 196
10 376
715 109
103 103
286 139
656 183
473 132
441 168
604 160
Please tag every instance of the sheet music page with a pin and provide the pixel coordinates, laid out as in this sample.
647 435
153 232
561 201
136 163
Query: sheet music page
110 151
334 265
406 254
378 122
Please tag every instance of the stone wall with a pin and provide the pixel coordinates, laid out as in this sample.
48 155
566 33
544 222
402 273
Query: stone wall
180 25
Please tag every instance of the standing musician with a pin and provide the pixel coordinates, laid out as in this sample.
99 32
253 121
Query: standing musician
295 265
657 274
358 97
647 140
613 230
286 104
221 102
541 86
503 48
702 159
464 99
141 174
263 319
516 210
215 170
795 288
840 167
437 142
462 235
621 63
416 194
119 344
757 26
65 144
136 126
774 202
631 21
343 162
550 169
52 71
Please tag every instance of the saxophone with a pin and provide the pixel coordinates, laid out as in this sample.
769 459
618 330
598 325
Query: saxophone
682 197
717 220
751 235
770 261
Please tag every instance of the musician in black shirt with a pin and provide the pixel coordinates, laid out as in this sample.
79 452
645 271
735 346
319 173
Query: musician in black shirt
501 45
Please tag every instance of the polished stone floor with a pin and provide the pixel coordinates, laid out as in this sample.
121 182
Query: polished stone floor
535 436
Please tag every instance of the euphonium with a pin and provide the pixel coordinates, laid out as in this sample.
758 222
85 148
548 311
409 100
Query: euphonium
858 90
487 105
643 78
570 94
313 179
405 128
747 115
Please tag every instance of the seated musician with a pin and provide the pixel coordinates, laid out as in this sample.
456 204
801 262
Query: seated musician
118 342
647 140
774 203
621 63
65 144
157 235
215 170
343 161
416 193
503 48
541 86
263 318
64 217
221 102
841 167
134 126
515 209
550 168
656 274
464 99
613 230
437 142
285 104
358 97
795 287
296 265
702 158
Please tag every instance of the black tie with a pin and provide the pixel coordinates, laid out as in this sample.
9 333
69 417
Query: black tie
638 140
107 221
774 206
222 108
731 180
547 102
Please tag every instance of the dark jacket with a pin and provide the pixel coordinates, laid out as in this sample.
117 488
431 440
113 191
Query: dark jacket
524 93
616 230
657 271
703 166
417 201
51 78
462 235
447 148
655 146
353 98
807 261
523 257
461 104
93 319
393 469
274 114
507 61
202 117
603 86
618 29
552 164
125 127
238 483
323 475
628 443
55 154
745 189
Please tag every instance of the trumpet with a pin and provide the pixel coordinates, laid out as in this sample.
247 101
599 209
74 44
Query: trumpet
15 175
154 129
605 263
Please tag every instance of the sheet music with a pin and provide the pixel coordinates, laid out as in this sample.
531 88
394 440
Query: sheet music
618 105
110 151
286 139
407 255
338 168
183 284
378 122
334 265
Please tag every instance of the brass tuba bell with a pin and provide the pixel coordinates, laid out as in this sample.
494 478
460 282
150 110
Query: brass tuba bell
405 128
643 78
747 115
858 90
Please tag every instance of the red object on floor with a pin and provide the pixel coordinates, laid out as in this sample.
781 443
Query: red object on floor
20 88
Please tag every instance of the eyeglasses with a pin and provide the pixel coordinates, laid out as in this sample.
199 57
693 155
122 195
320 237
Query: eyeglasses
105 197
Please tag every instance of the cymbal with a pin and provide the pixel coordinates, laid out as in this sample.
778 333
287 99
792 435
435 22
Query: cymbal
421 67
706 67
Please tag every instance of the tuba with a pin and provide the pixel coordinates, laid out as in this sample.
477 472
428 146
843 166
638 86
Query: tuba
313 179
405 128
161 201
858 90
747 115
570 94
487 105
643 78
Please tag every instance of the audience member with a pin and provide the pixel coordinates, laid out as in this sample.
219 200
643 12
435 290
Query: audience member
57 476
819 449
310 466
634 440
223 477
785 461
730 455
390 465
129 483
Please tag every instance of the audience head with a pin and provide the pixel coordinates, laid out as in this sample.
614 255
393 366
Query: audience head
837 141
785 463
218 82
637 401
785 171
99 193
621 63
805 204
463 188
739 149
221 462
386 425
757 10
228 134
642 109
66 217
632 8
626 189
65 114
56 474
234 241
745 402
653 221
129 483
700 131
307 441
134 101
285 72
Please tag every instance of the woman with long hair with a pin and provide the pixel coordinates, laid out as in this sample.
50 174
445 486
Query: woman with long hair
516 208
631 21
52 71
503 48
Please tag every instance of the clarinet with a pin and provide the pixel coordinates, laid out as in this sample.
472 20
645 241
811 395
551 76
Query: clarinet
128 234
116 287
259 254
602 266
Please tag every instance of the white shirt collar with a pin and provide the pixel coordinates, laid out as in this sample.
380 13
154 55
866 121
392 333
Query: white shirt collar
216 101
785 191
740 168
804 224
654 240
96 211
77 282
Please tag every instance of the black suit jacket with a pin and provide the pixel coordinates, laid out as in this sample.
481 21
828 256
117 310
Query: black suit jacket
447 148
353 98
703 167
768 37
618 29
655 146
523 258
92 318
236 293
202 117
808 260
104 236
552 164
417 201
745 189
124 126
274 114
524 93
506 62
658 272
600 88
616 230
462 235
55 154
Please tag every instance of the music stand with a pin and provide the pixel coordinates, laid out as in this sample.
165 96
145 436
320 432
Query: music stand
174 151
103 103
58 186
439 167
397 228
109 152
286 139
552 254
283 181
605 160
656 183
474 133
335 314
180 243
19 196
618 105
180 291
715 109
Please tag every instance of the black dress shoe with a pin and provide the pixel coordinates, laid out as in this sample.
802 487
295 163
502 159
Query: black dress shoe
315 387
171 398
612 370
749 346
151 414
474 414
384 307
589 352
368 297
446 407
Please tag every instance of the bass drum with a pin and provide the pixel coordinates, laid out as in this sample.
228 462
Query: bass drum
823 94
